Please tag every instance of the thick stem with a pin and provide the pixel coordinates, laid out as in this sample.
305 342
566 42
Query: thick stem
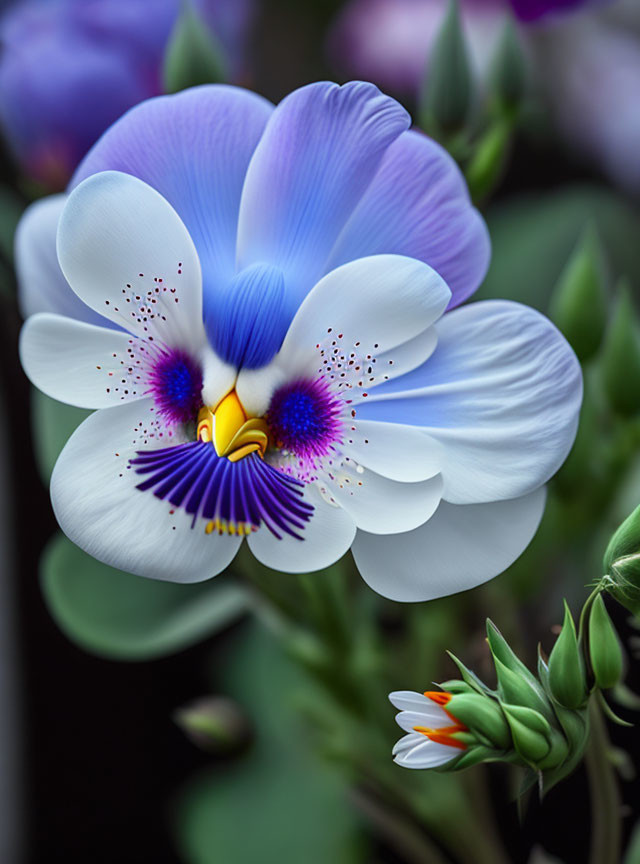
605 795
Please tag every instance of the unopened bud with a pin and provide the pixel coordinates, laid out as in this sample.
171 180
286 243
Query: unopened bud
508 77
621 357
482 716
604 647
622 564
516 684
193 55
566 666
215 724
446 98
578 304
530 731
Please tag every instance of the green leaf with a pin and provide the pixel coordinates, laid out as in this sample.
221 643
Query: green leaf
534 235
279 803
193 55
52 424
124 617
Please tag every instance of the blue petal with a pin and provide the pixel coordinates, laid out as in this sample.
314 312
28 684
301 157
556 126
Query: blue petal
193 148
320 150
247 321
418 205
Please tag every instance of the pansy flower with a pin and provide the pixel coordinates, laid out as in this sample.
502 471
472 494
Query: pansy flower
264 320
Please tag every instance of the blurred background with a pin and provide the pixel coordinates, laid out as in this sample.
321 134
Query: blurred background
243 719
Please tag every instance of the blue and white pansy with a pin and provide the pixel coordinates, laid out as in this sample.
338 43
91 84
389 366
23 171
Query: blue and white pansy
261 311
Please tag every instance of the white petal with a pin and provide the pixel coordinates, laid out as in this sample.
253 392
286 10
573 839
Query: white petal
74 362
403 453
433 718
384 506
127 254
501 393
381 302
327 536
425 754
41 284
458 548
98 507
407 742
410 700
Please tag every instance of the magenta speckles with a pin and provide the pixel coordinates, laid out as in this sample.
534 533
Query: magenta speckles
304 418
175 383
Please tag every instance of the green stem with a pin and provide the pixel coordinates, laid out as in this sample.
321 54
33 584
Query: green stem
605 795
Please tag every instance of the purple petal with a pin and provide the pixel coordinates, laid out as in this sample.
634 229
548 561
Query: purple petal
193 148
320 150
418 205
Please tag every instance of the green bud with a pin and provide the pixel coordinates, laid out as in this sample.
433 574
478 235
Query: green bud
530 731
566 667
621 356
516 684
622 564
488 162
215 724
604 646
482 716
445 101
193 55
578 305
469 677
508 77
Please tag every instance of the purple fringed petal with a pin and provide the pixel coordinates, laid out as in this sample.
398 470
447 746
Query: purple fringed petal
235 497
418 205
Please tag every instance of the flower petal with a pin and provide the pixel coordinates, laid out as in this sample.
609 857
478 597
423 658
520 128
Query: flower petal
422 752
501 393
98 507
327 536
320 150
409 700
402 453
194 148
128 255
383 506
74 362
458 548
418 205
434 718
41 284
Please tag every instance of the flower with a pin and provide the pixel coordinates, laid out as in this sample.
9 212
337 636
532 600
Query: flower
69 68
292 265
434 736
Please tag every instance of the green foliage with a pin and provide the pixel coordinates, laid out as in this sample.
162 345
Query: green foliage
578 305
489 159
621 357
446 98
534 235
234 813
193 55
566 666
508 76
52 424
125 617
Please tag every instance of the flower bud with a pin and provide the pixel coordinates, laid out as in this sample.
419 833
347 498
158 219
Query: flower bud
516 684
193 56
215 724
508 76
621 357
605 652
446 96
489 159
622 564
483 717
578 304
566 666
530 731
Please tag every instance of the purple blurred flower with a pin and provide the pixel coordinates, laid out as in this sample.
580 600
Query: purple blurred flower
531 10
70 68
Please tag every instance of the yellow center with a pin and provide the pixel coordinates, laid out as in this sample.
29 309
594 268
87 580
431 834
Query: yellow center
233 434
